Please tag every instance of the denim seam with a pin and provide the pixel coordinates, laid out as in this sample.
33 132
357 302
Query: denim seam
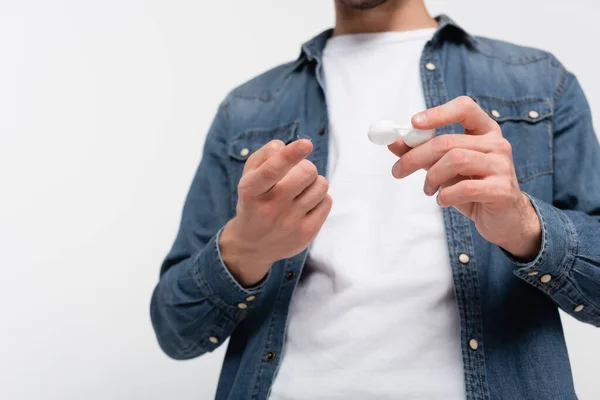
523 61
532 176
257 376
561 85
550 145
266 131
265 98
521 100
585 299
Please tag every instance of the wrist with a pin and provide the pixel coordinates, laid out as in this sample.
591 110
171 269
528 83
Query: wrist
241 257
527 242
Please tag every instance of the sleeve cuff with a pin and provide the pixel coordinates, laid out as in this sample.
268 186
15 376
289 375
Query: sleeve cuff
218 284
557 252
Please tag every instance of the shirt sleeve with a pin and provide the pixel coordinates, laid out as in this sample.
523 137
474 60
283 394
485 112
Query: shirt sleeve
567 268
197 303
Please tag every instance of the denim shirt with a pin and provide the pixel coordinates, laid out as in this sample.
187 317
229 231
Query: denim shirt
512 340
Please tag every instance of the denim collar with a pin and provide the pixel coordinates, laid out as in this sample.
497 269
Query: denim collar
447 30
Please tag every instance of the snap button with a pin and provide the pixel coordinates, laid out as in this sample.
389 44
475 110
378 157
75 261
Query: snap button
270 356
430 66
213 339
545 278
242 306
578 308
322 132
495 114
250 298
244 152
290 275
473 344
532 273
463 258
533 114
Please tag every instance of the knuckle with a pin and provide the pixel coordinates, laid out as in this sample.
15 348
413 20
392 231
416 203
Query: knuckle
443 143
406 160
443 196
496 126
505 167
328 200
457 157
244 192
465 102
275 144
268 211
470 188
504 146
308 168
322 183
269 172
288 157
251 158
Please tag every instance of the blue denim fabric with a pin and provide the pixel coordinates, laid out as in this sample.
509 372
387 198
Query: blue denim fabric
505 305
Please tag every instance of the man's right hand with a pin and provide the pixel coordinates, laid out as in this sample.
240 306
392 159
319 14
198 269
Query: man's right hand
282 204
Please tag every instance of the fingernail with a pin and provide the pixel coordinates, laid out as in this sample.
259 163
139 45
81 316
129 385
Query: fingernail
303 148
437 199
420 118
427 189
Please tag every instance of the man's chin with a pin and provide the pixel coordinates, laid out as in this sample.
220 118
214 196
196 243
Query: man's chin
362 4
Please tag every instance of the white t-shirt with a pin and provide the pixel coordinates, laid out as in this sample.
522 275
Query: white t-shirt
374 315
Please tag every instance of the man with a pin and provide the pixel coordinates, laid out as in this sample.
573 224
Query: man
441 281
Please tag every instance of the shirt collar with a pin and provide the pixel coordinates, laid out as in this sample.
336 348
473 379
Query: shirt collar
447 30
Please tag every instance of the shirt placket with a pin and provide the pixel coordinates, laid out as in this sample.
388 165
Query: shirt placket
460 246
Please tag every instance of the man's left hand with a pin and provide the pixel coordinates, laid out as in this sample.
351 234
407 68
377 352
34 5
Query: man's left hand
474 172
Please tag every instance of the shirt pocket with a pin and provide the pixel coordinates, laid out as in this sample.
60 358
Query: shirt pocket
526 124
247 143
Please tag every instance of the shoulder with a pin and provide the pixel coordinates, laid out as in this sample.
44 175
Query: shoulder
535 70
266 85
511 53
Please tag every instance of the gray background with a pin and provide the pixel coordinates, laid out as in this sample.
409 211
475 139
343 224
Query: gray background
103 110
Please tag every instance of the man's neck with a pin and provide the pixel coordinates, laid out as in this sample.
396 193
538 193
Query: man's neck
394 15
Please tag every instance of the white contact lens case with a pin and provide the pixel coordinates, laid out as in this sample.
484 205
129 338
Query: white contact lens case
384 133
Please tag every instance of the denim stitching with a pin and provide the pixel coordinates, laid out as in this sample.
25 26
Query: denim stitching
256 379
522 61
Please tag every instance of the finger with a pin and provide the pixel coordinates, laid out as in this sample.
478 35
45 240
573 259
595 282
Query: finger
472 191
312 195
317 215
460 162
299 178
399 148
262 154
462 110
274 168
427 154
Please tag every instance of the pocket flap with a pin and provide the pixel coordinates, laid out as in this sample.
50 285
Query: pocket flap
530 110
244 145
